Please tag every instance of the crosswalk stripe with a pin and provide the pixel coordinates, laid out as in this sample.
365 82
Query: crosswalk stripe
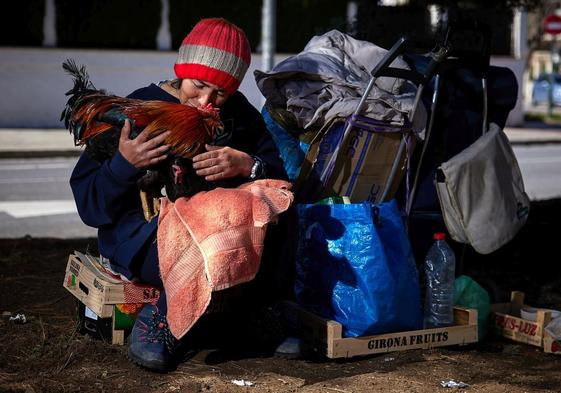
25 209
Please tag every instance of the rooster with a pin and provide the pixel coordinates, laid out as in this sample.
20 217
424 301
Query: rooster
95 119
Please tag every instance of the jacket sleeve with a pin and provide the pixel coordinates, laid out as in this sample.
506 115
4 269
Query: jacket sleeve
104 191
250 135
267 151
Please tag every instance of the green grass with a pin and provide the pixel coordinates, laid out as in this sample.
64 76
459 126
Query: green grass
554 118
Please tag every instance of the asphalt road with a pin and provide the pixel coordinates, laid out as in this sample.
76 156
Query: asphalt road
36 200
541 170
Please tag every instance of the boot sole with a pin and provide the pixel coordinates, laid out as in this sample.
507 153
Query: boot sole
148 365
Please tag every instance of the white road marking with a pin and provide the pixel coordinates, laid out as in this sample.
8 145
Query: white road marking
539 160
25 209
43 165
30 180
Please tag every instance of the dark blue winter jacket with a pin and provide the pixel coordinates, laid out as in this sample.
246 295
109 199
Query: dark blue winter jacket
108 199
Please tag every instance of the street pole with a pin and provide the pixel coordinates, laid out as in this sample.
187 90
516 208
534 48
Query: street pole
352 12
551 81
268 34
49 24
163 38
552 26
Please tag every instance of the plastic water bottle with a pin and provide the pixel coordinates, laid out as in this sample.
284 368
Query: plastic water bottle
440 266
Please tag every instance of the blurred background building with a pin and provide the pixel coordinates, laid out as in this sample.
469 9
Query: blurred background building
128 44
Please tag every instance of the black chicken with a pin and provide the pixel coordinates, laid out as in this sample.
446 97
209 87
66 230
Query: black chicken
95 119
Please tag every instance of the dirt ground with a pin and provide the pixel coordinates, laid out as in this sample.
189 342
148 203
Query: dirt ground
47 354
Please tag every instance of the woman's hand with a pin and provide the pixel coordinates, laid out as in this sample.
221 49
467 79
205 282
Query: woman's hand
220 162
143 151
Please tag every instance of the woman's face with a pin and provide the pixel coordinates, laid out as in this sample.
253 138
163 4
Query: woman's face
199 93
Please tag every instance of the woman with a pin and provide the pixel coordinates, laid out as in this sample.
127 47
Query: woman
211 64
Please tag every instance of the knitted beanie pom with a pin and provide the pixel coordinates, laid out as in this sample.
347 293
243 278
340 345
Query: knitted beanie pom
215 51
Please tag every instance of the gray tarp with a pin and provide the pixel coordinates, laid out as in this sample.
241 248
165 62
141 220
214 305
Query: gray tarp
327 79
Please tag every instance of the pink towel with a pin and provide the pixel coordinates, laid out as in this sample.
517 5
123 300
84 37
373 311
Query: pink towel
212 241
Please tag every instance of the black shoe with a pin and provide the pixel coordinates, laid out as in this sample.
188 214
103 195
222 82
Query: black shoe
151 344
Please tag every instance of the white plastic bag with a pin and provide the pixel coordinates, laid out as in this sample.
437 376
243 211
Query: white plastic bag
554 328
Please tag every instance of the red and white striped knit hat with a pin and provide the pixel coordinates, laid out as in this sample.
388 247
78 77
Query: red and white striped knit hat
215 51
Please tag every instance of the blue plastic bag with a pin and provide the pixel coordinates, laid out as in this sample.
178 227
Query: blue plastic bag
355 265
291 149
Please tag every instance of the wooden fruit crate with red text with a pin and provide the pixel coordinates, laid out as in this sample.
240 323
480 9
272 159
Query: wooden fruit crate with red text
551 345
325 336
508 322
107 304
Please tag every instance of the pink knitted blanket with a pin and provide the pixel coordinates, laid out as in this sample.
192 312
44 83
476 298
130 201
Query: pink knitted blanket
212 241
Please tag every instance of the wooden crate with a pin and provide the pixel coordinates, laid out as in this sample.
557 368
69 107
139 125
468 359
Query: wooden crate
105 296
551 345
508 323
325 336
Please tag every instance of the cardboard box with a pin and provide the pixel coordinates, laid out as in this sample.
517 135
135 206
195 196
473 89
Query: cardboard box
325 336
364 168
97 327
107 305
507 322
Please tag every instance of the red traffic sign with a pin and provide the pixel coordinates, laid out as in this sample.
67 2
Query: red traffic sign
552 24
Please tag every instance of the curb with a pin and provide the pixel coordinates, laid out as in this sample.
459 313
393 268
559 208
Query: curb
39 154
536 142
7 154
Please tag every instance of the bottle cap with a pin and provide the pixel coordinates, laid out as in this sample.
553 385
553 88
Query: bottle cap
439 236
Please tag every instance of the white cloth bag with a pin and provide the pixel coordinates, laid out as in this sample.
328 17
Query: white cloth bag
482 196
